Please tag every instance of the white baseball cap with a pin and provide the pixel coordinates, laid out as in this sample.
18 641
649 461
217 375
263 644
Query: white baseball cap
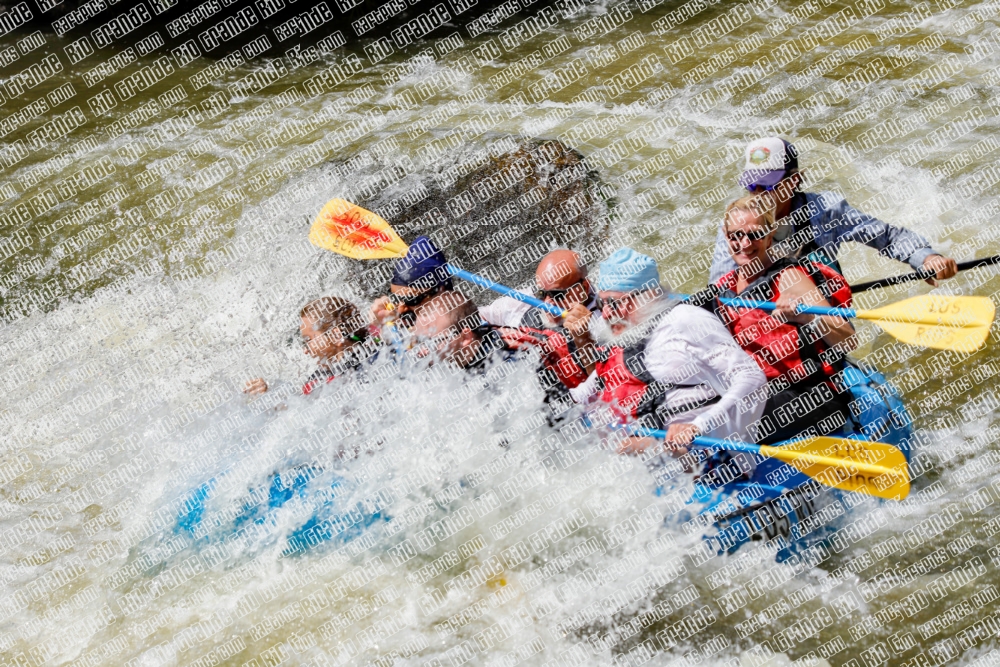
768 160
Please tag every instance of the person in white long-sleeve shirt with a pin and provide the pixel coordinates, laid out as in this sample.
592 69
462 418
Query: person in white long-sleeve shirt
670 365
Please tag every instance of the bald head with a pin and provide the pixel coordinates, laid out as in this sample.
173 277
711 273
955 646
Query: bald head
562 280
559 270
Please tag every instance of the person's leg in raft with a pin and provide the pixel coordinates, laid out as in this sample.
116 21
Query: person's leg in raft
815 410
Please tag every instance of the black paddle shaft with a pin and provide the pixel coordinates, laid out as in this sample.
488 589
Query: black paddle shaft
922 274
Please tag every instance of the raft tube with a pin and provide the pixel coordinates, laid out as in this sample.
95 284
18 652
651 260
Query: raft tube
778 503
289 506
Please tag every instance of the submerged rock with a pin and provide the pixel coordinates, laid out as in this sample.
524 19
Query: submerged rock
494 209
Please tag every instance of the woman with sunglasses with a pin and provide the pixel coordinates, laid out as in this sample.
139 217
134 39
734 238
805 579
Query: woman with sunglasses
798 353
669 365
814 225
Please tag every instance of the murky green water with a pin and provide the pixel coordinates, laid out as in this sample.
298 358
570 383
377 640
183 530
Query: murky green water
155 258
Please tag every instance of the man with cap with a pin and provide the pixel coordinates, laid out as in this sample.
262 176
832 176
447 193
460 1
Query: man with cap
814 225
418 276
670 365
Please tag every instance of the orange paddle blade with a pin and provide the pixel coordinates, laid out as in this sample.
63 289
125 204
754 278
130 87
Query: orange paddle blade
350 230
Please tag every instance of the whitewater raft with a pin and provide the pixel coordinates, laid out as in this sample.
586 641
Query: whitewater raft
303 506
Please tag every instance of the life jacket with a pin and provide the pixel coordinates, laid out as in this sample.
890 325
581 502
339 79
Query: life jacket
558 352
781 349
625 384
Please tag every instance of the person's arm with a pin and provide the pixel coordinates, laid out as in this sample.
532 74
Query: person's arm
796 288
850 224
722 259
255 386
715 359
504 312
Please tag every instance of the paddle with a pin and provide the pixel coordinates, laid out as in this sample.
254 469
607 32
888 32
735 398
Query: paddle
959 323
862 466
922 274
349 230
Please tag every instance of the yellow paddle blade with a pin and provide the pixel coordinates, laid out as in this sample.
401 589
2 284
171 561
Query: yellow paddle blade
350 230
943 311
959 339
861 466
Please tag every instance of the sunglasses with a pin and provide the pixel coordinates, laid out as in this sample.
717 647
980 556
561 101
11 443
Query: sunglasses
556 294
410 301
739 236
753 187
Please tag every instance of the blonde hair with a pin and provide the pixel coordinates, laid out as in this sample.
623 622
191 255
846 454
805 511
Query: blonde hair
761 205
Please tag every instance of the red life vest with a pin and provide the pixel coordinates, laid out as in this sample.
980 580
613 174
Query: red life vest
780 349
632 392
557 351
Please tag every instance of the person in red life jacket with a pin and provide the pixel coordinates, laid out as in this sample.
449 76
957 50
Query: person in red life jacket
420 275
335 336
669 365
449 327
567 357
792 349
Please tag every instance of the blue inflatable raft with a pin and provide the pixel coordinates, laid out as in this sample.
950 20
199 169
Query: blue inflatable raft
306 506
302 505
778 501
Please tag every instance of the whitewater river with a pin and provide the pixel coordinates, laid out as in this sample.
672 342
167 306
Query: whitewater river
139 296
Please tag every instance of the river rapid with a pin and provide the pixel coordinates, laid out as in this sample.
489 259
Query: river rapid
139 296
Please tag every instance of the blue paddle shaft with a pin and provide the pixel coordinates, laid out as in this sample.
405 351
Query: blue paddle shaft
770 305
506 291
702 441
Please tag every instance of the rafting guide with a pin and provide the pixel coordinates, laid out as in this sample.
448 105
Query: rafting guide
816 225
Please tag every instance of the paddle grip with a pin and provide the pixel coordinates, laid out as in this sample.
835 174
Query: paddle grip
922 274
506 291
